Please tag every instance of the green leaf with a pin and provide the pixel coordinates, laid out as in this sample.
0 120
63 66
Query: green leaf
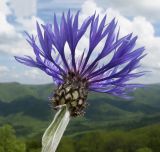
54 132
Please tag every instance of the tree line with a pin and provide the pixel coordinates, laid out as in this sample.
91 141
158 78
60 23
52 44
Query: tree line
145 139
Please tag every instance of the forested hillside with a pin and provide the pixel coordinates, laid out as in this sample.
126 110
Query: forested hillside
27 109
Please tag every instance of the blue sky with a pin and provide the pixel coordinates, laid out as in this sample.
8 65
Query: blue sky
140 17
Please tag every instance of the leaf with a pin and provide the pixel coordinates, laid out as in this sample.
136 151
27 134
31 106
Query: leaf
54 132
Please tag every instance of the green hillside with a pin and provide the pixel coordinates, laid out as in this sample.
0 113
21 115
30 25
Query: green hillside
145 139
27 109
11 91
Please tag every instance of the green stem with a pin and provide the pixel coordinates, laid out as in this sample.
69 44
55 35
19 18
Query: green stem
54 132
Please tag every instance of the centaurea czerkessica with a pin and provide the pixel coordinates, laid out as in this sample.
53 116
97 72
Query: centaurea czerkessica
75 75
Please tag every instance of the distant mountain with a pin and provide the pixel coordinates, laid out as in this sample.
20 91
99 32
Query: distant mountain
12 91
27 108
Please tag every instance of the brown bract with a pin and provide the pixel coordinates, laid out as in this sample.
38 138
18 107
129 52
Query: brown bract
73 92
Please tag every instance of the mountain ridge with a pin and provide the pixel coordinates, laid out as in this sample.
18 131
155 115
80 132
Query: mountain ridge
27 108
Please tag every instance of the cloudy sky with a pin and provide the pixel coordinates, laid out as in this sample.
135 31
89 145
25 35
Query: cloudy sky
140 17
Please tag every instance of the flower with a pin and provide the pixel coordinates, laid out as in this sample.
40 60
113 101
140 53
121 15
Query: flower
75 76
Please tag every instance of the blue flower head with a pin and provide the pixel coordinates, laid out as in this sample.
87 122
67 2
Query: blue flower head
75 76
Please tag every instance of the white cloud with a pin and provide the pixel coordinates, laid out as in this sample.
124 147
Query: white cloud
24 8
26 75
28 24
51 4
32 73
34 76
5 27
147 8
3 69
140 26
12 41
4 7
143 12
89 7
